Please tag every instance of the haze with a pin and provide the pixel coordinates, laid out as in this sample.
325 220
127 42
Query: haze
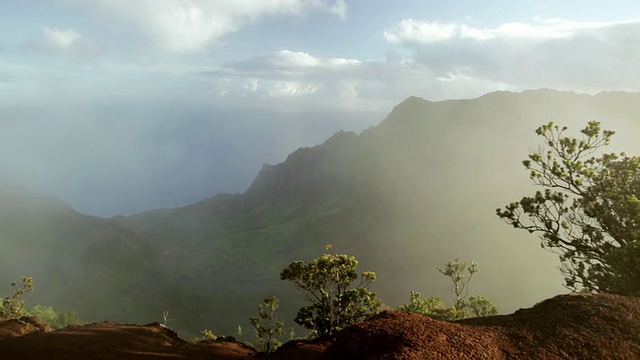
119 107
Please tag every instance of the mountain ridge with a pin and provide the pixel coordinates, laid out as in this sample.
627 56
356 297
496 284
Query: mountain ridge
404 196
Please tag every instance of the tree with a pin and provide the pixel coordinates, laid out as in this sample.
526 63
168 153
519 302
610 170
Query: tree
328 283
455 271
267 325
589 211
434 307
13 306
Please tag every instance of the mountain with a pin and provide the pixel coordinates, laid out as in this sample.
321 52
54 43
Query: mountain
77 261
403 197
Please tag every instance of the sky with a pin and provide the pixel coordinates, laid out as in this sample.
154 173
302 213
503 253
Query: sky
118 107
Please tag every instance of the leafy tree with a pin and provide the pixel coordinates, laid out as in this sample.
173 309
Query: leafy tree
267 325
434 307
455 270
328 283
589 211
13 306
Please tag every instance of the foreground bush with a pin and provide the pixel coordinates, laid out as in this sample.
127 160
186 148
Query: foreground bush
434 306
328 283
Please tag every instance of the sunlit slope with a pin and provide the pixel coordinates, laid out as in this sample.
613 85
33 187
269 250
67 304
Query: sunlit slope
419 189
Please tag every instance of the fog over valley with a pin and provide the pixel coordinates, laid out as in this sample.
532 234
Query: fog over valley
175 156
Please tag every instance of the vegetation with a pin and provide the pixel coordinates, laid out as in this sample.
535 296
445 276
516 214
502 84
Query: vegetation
204 336
267 325
589 211
13 306
55 319
328 283
434 307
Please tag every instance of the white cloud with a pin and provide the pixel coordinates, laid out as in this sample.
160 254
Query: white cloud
556 53
421 32
410 30
191 25
60 39
288 74
68 44
293 59
446 61
339 8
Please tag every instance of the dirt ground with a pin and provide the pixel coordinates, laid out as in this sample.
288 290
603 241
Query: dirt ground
563 327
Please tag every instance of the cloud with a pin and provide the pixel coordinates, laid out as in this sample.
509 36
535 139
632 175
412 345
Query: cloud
558 53
339 8
191 25
287 62
288 74
298 81
410 31
66 43
60 39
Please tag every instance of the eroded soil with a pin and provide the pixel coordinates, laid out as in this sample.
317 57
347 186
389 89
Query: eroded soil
564 327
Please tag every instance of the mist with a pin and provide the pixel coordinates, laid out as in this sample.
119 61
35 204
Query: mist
150 147
120 160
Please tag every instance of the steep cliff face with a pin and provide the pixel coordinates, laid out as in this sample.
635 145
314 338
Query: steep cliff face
311 173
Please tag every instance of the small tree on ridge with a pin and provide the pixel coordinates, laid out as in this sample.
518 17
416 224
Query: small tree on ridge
328 283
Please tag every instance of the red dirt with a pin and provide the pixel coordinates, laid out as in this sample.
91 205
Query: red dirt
564 327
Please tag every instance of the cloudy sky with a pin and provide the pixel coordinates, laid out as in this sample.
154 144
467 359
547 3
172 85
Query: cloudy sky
119 106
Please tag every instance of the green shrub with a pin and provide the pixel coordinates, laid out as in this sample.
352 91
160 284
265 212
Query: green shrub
328 283
13 306
55 319
267 325
435 308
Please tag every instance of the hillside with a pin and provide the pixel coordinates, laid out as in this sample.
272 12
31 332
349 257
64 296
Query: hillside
78 262
575 326
403 197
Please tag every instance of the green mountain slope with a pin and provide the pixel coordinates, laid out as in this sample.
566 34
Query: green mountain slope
403 197
78 262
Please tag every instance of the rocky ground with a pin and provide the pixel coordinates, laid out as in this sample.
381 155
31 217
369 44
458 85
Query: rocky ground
564 327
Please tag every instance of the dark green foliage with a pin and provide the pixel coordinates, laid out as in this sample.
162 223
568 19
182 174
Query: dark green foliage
55 319
435 308
13 306
589 211
327 282
267 325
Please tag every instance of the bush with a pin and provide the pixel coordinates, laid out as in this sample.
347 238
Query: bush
13 306
327 282
435 308
55 319
267 325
